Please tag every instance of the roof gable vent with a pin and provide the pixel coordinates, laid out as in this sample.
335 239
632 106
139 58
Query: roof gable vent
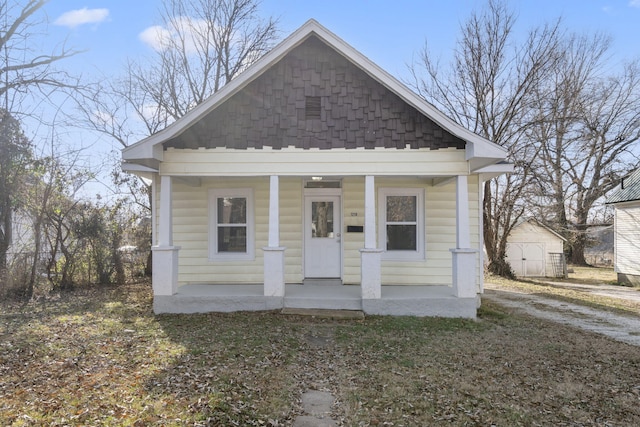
312 107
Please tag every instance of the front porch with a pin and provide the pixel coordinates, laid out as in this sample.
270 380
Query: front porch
439 301
454 295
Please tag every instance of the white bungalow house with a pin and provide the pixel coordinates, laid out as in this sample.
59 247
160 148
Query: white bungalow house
626 235
316 180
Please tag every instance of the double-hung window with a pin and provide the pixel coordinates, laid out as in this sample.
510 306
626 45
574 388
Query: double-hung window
231 224
401 221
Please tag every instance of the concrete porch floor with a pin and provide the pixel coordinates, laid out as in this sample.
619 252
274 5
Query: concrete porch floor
396 300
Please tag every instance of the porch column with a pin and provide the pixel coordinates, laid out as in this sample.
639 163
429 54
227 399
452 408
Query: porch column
165 255
464 257
370 256
274 253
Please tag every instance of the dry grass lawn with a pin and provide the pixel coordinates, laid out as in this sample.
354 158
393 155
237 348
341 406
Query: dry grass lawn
562 289
100 357
592 275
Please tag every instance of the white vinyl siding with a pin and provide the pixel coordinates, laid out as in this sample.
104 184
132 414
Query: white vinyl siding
191 226
627 238
353 208
439 233
191 230
291 227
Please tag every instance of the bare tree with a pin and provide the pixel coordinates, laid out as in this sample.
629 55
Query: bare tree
199 46
489 89
559 109
23 70
590 126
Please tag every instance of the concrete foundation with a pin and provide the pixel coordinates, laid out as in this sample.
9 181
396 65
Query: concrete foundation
628 279
423 301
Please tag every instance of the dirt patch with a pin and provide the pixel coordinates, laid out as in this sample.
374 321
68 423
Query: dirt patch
619 327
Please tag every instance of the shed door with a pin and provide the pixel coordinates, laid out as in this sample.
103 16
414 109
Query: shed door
526 259
322 237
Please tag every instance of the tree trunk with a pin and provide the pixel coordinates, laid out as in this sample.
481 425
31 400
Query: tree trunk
578 247
496 250
580 239
148 268
36 258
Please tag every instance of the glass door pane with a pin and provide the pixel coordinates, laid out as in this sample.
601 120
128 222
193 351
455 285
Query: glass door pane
322 219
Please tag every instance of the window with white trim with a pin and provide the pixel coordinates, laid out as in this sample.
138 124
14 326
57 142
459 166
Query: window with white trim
231 235
401 222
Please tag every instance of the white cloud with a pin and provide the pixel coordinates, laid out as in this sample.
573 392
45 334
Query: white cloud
190 30
74 18
155 37
634 3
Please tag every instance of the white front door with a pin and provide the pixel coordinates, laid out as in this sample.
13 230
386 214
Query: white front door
322 237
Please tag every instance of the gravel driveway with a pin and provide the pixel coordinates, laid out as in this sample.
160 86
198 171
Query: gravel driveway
619 327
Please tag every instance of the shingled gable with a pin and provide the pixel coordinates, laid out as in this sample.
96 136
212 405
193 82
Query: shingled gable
351 110
265 106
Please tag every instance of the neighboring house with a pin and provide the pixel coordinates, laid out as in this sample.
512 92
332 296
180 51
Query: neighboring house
22 238
535 250
316 180
626 203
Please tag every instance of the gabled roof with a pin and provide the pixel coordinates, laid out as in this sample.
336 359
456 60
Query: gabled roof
534 221
149 151
628 191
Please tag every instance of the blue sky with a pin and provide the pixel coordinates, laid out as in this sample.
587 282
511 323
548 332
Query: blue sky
388 32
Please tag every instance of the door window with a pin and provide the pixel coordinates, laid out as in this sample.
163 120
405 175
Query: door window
322 219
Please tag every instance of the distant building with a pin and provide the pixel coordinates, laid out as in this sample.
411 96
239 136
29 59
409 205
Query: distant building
626 201
535 250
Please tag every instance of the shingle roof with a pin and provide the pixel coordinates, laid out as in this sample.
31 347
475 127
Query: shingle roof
629 189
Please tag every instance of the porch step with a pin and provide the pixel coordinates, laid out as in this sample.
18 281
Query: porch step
323 297
324 313
322 282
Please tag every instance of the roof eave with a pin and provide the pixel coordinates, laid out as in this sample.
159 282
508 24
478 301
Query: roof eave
493 169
